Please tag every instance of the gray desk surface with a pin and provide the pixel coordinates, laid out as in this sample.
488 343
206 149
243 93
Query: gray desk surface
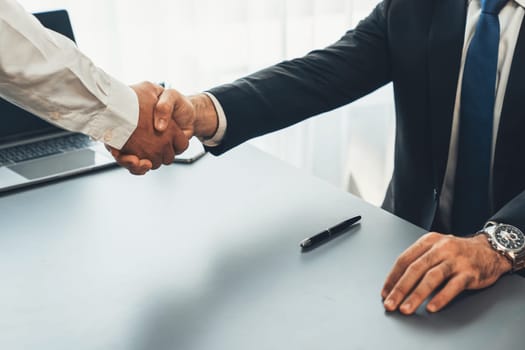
206 257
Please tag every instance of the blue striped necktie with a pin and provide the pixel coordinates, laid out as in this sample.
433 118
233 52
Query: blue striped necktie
471 207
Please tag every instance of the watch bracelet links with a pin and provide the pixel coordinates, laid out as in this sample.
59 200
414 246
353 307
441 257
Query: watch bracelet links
519 262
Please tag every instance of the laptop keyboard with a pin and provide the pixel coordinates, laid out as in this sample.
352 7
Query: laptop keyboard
17 154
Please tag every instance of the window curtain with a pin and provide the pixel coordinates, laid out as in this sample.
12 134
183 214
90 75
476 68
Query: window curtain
197 44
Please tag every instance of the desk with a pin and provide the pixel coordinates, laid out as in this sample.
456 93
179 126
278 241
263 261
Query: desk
206 257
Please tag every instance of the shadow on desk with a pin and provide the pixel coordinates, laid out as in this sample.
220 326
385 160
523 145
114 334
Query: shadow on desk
244 279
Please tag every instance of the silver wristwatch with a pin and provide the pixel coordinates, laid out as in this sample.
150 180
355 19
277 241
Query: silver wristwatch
508 241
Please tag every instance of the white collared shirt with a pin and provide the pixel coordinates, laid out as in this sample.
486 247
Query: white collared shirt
510 18
44 73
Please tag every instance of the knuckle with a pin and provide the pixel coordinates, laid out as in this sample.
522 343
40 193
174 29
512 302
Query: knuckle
435 274
415 268
148 84
162 109
447 245
432 235
174 93
446 269
401 261
428 259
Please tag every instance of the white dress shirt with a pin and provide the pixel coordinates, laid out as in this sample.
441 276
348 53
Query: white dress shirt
510 18
44 72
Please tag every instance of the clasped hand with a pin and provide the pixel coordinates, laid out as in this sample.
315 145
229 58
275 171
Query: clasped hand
165 125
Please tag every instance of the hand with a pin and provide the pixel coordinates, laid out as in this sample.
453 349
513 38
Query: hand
195 116
436 260
174 106
147 148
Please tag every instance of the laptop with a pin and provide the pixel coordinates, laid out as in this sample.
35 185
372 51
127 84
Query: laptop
33 151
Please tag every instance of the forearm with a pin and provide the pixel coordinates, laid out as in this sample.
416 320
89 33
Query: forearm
44 73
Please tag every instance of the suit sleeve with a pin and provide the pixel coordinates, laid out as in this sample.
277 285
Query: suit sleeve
513 213
292 91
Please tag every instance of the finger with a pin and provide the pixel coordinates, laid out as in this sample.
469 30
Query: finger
452 289
127 160
421 246
134 164
147 91
180 140
411 276
158 161
142 169
114 152
168 154
429 283
164 109
158 89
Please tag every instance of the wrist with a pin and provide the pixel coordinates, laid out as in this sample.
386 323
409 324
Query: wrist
502 263
206 118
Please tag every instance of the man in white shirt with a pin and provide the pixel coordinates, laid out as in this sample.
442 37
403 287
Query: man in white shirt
44 73
459 85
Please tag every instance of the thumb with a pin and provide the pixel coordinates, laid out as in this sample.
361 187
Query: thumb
164 110
188 133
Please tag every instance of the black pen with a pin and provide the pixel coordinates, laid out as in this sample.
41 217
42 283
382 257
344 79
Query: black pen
326 235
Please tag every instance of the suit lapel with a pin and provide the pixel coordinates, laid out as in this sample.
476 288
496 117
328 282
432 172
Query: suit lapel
508 167
444 59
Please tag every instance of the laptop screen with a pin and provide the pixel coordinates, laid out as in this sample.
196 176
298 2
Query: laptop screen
18 124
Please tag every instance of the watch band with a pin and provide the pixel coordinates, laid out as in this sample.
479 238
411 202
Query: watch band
516 257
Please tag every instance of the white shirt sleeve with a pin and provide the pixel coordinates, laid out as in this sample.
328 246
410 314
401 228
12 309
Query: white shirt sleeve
44 72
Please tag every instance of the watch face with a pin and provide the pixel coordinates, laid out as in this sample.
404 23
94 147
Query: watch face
510 237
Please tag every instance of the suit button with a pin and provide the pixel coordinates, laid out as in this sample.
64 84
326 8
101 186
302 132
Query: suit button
436 194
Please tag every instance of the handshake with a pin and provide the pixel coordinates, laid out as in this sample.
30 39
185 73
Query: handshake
167 121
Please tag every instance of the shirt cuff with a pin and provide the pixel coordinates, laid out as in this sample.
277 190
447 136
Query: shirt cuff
217 138
118 121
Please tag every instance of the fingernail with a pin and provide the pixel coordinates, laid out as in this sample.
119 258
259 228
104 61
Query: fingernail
406 308
161 124
389 303
432 308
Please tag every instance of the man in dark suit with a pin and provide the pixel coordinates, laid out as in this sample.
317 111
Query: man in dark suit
458 82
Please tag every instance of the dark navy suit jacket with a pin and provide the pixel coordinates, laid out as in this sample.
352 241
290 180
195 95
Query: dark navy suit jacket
417 45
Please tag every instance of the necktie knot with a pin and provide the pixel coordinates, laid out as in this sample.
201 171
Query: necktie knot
492 7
